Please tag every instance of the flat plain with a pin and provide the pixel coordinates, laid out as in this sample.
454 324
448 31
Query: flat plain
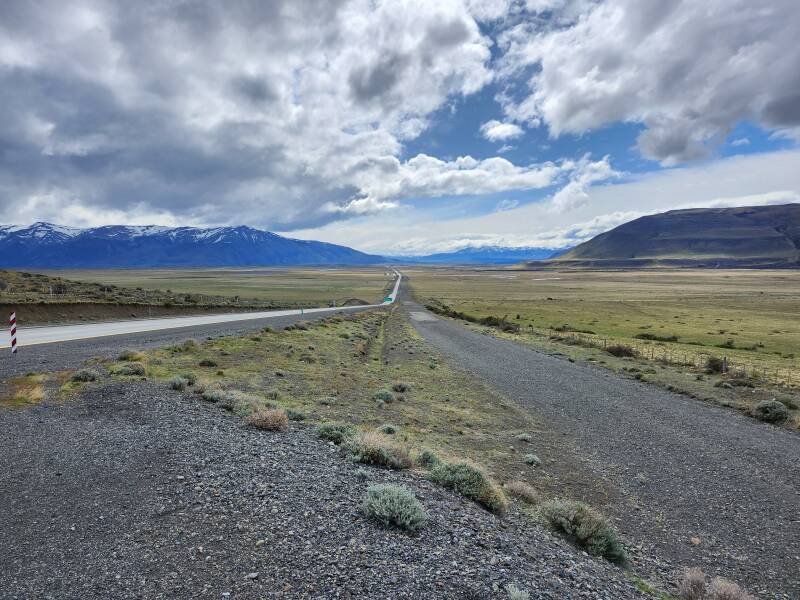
296 285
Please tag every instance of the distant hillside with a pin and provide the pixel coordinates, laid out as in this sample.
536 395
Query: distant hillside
758 237
488 255
43 245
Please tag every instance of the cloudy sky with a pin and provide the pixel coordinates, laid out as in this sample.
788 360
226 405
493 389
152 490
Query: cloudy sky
396 126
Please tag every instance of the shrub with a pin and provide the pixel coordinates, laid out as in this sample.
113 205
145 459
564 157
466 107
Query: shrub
296 415
185 346
131 369
190 378
621 350
84 375
656 338
302 325
388 429
213 395
394 505
586 527
178 383
401 388
722 589
771 411
516 593
131 355
471 482
328 401
374 448
532 459
524 492
207 362
714 364
267 329
788 403
427 459
524 437
383 396
692 585
336 432
269 419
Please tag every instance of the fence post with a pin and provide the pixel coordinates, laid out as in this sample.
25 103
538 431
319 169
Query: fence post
724 364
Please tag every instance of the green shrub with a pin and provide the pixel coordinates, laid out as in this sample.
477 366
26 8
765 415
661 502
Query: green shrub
336 432
185 346
383 395
213 395
516 593
190 378
328 401
267 329
771 411
207 362
296 415
373 448
428 459
131 369
532 459
471 482
388 429
401 388
84 375
394 505
657 338
586 527
178 383
524 437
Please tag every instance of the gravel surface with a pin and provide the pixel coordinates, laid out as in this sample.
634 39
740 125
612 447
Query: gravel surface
135 491
699 485
69 355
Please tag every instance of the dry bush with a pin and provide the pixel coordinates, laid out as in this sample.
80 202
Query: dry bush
692 585
269 419
722 589
522 491
621 350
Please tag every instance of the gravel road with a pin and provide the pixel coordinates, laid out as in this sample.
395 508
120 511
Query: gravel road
69 355
135 491
684 469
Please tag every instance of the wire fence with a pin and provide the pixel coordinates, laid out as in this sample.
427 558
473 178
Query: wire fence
680 354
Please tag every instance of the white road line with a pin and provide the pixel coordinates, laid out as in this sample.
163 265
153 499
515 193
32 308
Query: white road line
30 336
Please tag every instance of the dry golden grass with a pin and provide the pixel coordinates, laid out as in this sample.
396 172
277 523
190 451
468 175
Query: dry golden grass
522 491
269 419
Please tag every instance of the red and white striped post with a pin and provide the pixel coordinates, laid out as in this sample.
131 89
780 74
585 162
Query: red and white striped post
12 325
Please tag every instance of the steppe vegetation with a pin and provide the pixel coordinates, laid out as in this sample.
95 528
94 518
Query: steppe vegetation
88 295
730 337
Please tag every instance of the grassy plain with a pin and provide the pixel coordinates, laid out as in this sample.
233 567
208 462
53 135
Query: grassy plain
296 285
750 317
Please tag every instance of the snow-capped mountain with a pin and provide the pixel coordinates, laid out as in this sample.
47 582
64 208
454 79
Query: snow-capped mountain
44 245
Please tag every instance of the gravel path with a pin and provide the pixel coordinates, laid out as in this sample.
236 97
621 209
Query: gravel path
135 491
69 355
685 469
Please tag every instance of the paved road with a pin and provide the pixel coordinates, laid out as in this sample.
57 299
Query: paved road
685 469
67 347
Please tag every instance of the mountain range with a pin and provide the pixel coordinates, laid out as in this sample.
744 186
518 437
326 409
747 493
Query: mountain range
755 236
486 255
44 245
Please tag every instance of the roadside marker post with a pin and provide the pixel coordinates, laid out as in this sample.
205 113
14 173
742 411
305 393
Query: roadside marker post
12 326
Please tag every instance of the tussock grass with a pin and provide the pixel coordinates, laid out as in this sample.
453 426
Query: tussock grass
523 492
131 355
771 411
130 369
269 419
373 448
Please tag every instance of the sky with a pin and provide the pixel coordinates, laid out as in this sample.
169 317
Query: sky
396 126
